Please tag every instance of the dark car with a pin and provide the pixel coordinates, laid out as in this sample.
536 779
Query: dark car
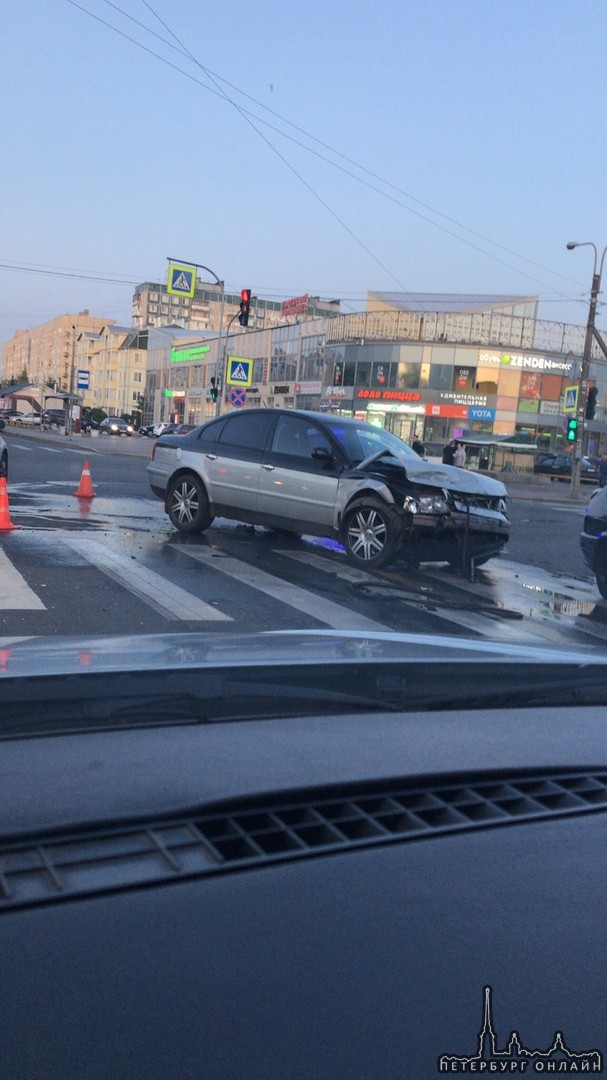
558 466
113 425
328 476
147 429
54 418
301 856
88 424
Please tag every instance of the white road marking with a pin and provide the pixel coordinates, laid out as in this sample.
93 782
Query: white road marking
170 600
326 611
15 593
494 628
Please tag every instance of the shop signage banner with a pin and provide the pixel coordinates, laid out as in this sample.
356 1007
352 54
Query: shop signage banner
463 399
480 413
458 412
533 362
550 408
389 395
308 387
528 405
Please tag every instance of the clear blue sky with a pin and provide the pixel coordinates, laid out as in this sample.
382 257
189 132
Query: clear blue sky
489 113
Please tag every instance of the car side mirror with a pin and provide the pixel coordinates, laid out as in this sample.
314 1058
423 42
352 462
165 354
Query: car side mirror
321 453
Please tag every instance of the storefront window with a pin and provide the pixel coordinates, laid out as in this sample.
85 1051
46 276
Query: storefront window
441 377
463 379
363 374
407 376
383 375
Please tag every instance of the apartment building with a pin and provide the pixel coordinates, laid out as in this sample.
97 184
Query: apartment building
116 365
45 352
154 306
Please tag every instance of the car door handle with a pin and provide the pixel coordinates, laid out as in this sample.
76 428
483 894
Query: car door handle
212 457
269 468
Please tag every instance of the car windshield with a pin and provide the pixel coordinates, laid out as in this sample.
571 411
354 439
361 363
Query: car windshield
360 441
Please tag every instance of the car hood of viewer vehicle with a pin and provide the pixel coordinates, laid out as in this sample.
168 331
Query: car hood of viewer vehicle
20 658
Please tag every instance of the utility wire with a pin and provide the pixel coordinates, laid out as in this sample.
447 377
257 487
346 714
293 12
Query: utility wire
245 117
183 51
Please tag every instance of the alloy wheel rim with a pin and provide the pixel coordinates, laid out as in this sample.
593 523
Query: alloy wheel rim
367 535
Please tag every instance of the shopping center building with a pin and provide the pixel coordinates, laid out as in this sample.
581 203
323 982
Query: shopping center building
435 366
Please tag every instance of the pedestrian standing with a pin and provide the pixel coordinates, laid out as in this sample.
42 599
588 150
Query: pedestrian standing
449 453
459 457
603 470
418 446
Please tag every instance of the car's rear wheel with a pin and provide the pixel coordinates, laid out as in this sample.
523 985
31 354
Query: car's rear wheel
187 504
370 533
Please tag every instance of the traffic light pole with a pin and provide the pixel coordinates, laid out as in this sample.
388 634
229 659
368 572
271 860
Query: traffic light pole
222 368
578 446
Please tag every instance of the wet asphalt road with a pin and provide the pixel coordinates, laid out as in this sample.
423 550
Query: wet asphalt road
114 564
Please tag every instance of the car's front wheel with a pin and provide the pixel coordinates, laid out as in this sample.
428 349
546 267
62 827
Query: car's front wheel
369 533
4 466
187 504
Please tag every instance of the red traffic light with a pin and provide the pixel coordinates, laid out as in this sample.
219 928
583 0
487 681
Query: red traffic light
245 306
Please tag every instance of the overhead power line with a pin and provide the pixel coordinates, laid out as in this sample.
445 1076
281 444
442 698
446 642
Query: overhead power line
183 51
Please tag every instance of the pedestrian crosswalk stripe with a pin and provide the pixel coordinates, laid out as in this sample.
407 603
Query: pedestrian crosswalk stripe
325 611
170 600
15 593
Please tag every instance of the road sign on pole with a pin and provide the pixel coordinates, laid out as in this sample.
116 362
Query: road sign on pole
571 399
240 371
84 378
181 280
237 397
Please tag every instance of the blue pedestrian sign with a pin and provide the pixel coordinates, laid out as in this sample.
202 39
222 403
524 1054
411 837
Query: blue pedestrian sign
181 280
571 399
237 397
84 378
240 371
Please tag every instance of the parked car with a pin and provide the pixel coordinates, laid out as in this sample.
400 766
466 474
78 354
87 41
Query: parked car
3 453
27 419
113 425
87 423
54 417
147 429
558 466
328 476
9 414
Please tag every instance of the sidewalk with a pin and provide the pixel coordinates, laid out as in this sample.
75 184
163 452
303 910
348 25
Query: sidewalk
133 445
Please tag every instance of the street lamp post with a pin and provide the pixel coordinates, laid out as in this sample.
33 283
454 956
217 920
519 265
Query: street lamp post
583 388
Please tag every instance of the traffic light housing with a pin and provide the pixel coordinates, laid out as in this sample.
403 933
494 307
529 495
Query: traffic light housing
572 426
591 402
245 307
213 388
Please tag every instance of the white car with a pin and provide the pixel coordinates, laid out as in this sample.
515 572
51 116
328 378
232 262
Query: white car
28 418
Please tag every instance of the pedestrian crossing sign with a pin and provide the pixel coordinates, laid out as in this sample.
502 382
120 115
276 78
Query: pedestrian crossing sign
571 397
240 371
181 280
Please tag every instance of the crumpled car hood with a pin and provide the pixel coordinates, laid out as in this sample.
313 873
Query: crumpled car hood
452 478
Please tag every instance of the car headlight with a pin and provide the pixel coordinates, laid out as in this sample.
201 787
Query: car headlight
426 504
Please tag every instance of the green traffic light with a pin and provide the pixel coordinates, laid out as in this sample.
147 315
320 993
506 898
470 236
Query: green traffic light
571 429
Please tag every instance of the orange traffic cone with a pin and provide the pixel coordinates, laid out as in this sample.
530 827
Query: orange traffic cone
85 487
5 517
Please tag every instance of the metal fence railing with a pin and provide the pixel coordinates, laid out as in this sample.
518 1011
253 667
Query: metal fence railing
476 328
